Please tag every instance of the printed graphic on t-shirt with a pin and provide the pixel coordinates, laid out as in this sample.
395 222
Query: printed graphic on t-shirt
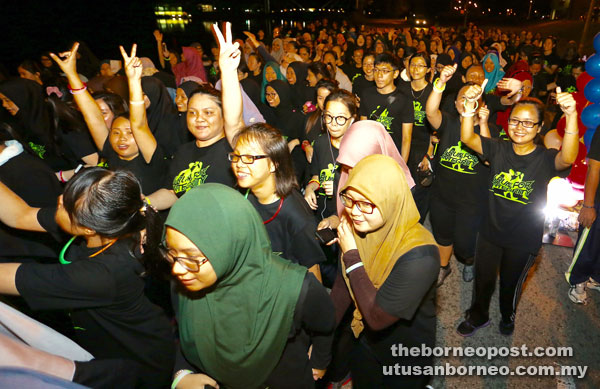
327 174
39 150
460 160
419 114
190 178
511 186
383 118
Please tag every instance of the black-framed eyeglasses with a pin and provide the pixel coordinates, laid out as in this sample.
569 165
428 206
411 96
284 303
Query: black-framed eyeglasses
385 72
191 264
339 120
363 206
247 159
524 123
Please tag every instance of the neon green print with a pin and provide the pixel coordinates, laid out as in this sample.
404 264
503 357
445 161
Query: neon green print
190 178
511 186
327 174
460 160
384 118
419 114
39 150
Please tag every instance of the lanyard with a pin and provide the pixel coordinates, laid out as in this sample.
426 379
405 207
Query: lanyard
61 256
276 212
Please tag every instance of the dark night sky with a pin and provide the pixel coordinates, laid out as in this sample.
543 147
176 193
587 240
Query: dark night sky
29 27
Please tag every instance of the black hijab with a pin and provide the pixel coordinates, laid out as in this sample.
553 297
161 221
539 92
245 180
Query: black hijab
162 115
301 92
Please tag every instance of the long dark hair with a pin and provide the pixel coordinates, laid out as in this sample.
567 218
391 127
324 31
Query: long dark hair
275 146
316 115
111 204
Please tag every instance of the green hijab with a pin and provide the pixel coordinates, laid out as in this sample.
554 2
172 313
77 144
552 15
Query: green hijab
237 330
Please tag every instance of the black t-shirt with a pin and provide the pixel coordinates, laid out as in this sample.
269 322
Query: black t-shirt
517 188
105 295
391 110
551 60
460 176
193 166
76 145
352 72
594 153
360 83
151 175
32 180
421 127
324 166
409 294
292 231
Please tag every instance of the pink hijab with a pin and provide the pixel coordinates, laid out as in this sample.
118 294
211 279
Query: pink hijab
364 138
192 66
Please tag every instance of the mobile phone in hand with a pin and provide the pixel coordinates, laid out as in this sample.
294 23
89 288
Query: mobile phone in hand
326 235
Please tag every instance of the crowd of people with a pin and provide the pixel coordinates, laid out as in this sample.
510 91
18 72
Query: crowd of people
253 216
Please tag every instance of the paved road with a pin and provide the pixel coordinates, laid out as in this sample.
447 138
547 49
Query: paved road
545 318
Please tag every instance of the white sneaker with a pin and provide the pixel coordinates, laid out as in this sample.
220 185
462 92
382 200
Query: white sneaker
577 294
593 284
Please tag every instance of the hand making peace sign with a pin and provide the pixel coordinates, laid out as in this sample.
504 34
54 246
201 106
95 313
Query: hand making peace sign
133 65
229 51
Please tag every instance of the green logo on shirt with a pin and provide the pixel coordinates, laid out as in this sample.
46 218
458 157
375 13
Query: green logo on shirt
39 150
419 114
190 178
327 174
511 186
384 118
460 160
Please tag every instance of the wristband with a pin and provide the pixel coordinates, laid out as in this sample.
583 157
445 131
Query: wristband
437 88
353 267
316 182
468 114
77 91
587 206
305 144
139 102
178 376
77 169
572 133
166 58
60 176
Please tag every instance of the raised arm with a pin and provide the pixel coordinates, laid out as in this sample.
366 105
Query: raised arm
16 213
570 145
159 46
484 115
467 131
432 108
86 103
229 60
514 88
137 108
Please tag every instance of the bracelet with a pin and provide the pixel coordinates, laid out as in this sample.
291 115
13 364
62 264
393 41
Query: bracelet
77 91
436 87
572 133
587 206
476 104
304 145
166 58
77 169
467 114
139 102
316 182
60 177
355 266
178 376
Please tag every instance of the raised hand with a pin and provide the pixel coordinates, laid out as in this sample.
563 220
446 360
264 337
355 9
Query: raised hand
474 92
566 102
345 236
133 65
511 84
484 113
158 36
252 38
229 51
69 61
447 73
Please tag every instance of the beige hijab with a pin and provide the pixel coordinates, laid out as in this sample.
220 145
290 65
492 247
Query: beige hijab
380 179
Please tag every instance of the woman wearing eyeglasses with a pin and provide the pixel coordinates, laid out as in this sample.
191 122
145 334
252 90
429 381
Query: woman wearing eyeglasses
511 233
262 164
245 313
389 266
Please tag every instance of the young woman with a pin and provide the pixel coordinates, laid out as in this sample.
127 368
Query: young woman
367 78
262 164
270 73
296 77
314 124
511 233
128 144
213 122
52 129
340 111
457 199
98 280
191 65
493 71
385 253
316 72
236 291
